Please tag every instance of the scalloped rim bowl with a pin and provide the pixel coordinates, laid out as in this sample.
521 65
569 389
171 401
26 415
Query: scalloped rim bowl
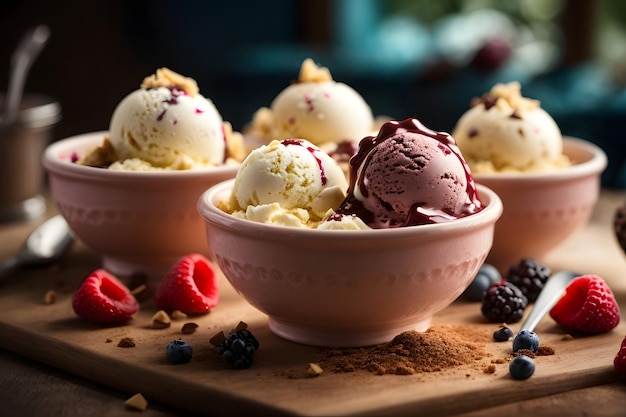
541 210
348 288
140 222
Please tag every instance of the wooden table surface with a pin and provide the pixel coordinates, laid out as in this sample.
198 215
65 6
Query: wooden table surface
30 388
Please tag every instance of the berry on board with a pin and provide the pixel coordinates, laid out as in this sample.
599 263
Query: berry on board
485 277
102 298
189 286
503 302
526 339
178 352
522 367
529 276
588 306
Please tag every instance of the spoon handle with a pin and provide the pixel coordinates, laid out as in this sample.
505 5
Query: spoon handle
549 295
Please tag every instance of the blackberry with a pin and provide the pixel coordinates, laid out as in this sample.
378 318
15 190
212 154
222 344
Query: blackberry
238 349
522 367
529 276
502 334
503 302
619 226
486 275
178 352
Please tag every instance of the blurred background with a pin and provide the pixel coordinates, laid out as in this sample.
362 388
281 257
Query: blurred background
408 58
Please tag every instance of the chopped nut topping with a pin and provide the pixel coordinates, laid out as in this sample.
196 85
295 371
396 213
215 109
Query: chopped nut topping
160 320
165 77
314 369
137 402
310 72
507 96
50 297
178 315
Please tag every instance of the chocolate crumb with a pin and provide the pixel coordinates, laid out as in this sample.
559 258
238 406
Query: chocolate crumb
189 328
126 342
108 341
489 369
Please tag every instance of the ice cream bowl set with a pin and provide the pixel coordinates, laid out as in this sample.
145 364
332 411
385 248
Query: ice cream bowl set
345 287
543 209
140 222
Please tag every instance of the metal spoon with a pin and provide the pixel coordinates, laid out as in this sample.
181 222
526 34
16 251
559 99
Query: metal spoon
22 59
43 246
548 297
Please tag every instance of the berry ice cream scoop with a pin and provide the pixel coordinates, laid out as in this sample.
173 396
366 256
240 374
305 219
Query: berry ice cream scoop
316 108
166 124
408 175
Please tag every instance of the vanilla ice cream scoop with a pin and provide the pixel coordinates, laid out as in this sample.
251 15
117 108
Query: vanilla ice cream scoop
167 123
315 108
504 131
290 182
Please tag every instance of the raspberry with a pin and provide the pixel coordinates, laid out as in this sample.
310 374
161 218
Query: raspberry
522 367
529 276
526 339
189 286
588 306
619 363
238 349
486 275
503 302
102 298
178 352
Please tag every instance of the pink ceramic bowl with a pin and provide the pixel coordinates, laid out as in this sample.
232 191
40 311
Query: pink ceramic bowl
542 209
140 222
348 288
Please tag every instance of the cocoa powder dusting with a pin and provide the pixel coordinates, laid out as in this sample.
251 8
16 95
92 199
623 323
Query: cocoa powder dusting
438 348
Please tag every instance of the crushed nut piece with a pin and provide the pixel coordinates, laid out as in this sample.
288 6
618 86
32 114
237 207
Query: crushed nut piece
50 297
567 337
126 342
178 315
137 402
161 320
310 72
314 369
165 77
189 328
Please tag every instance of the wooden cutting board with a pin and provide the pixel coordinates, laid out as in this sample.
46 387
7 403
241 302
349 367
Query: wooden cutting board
277 384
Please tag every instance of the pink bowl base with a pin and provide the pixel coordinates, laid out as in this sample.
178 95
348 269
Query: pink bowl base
312 335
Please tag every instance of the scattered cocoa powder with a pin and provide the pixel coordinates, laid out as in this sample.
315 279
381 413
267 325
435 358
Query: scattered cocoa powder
542 350
438 348
126 342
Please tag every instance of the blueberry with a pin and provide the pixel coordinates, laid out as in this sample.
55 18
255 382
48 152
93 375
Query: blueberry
486 275
178 352
502 334
522 367
526 339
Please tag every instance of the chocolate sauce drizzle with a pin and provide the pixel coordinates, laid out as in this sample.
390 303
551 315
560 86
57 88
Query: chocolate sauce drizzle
313 151
418 214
